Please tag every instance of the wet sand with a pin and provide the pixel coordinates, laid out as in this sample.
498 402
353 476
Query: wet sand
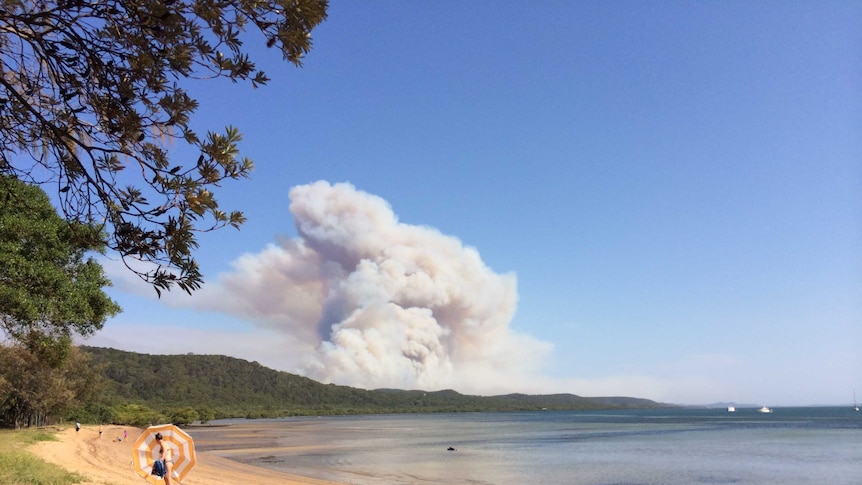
106 461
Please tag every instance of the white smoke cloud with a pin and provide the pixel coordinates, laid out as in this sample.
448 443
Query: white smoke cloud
379 303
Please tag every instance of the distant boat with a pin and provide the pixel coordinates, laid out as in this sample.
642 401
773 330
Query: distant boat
731 409
855 406
764 410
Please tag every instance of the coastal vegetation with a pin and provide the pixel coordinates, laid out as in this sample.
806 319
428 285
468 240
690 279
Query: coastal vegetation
101 385
49 292
49 288
204 387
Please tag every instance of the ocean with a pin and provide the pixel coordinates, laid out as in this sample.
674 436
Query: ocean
817 445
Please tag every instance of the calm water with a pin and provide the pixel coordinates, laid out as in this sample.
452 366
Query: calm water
789 446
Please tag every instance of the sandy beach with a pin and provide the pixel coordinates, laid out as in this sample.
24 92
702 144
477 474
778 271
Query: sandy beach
106 461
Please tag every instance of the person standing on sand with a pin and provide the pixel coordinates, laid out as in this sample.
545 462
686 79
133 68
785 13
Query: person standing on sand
77 426
166 455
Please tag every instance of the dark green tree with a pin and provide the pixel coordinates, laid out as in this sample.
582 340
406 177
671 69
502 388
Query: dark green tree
137 415
183 416
33 390
205 414
90 89
49 289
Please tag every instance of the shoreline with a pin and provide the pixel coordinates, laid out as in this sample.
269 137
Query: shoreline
103 460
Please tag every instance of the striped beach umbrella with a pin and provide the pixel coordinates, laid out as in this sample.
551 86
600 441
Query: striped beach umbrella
145 451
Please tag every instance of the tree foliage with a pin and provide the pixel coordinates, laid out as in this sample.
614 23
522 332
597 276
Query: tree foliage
183 416
91 89
238 388
137 415
142 389
32 390
49 289
205 414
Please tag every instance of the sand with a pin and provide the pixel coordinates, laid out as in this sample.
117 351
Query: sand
106 461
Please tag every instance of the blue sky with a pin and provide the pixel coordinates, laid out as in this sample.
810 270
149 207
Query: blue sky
664 199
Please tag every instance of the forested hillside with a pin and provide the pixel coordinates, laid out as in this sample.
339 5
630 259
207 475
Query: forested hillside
235 387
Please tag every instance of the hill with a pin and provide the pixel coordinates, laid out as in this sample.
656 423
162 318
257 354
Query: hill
234 387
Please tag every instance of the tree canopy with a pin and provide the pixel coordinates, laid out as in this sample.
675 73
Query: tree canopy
91 98
32 391
49 289
232 387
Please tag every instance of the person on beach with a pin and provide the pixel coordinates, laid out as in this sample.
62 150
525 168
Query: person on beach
166 455
77 426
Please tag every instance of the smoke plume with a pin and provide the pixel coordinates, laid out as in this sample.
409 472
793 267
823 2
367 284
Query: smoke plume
372 302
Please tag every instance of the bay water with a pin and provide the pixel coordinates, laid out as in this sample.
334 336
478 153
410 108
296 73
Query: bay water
816 445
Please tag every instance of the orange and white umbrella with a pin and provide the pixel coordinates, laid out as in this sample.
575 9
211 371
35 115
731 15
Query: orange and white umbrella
145 451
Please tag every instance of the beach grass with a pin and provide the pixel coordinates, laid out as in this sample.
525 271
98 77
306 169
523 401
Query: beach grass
20 467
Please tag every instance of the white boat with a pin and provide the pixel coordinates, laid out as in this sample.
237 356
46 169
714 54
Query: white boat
764 410
731 409
855 406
